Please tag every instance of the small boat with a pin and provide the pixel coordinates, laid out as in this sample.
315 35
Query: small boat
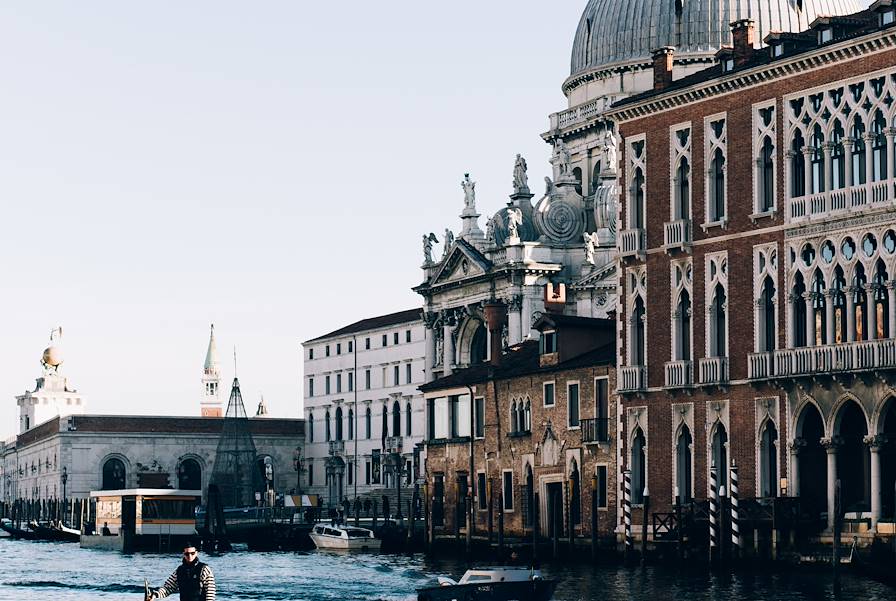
7 526
492 584
345 538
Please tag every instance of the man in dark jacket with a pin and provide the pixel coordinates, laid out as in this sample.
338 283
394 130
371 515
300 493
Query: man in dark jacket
192 579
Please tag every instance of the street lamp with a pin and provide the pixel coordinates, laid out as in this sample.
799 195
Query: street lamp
64 481
297 465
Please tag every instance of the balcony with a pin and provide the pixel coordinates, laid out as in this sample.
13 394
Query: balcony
677 235
596 430
870 355
713 370
580 114
631 243
839 202
632 378
679 374
337 447
394 444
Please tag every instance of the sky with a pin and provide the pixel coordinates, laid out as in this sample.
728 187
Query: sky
269 167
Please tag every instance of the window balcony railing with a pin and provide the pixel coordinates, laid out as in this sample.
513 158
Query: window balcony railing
337 447
841 201
679 374
595 430
870 355
632 378
713 370
677 234
394 444
631 242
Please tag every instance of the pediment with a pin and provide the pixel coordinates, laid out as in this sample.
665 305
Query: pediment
603 277
463 261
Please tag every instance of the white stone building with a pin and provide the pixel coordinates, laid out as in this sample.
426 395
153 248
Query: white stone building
61 451
361 403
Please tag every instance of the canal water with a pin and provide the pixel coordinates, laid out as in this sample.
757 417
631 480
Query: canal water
30 570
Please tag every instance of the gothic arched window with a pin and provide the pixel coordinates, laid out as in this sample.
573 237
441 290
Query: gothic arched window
683 474
683 189
766 176
638 466
717 186
719 322
797 166
768 452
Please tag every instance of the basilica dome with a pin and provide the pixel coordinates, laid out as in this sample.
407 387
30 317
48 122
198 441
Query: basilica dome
614 32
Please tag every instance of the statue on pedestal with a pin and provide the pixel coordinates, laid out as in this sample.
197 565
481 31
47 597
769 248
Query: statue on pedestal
590 242
562 158
428 240
449 241
520 176
514 221
469 187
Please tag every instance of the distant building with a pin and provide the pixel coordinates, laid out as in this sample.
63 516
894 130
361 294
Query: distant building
211 404
61 451
361 403
543 419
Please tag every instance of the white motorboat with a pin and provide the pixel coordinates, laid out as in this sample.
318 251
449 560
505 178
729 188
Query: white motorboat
344 538
492 584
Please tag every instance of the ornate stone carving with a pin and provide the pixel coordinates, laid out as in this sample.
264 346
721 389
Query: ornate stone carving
831 444
515 303
520 176
428 240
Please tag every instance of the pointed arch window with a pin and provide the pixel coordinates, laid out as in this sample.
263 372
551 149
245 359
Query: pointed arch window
327 425
310 427
860 300
396 419
338 423
575 494
368 423
719 322
839 300
881 306
638 209
717 186
819 302
638 466
768 453
527 421
720 454
859 153
514 424
683 190
683 343
838 158
797 166
766 176
800 337
817 159
684 476
879 146
639 333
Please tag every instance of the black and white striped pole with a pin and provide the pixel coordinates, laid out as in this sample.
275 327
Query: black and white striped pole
627 511
735 512
713 512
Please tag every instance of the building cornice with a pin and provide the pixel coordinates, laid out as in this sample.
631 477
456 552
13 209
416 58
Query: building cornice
829 55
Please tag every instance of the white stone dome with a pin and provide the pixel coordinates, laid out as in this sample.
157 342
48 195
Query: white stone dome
614 32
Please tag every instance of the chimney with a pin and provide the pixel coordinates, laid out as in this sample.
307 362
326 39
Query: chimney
495 317
662 67
743 33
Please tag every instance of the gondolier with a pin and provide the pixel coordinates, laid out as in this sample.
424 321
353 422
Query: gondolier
193 579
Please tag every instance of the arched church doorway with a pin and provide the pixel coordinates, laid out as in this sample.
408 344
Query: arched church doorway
114 474
853 458
812 462
189 475
479 345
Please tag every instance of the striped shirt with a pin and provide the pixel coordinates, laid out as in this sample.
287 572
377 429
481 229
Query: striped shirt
207 589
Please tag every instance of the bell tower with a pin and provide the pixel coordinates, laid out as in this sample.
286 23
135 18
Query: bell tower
210 405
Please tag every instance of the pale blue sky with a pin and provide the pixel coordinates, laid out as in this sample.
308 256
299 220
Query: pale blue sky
266 166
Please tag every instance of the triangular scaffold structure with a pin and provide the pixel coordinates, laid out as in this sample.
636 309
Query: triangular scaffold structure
235 473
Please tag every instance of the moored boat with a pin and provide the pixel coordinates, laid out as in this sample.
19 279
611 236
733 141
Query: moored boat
344 538
492 584
20 533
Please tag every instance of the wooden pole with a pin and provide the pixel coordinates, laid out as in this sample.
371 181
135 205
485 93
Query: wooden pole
837 526
491 509
627 512
644 526
713 513
735 513
534 526
501 524
594 518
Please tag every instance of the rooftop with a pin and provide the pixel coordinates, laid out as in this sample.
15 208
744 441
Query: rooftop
373 323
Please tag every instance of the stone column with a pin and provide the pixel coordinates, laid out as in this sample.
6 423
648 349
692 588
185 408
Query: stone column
808 297
795 447
807 171
850 294
830 446
891 297
759 316
515 319
429 350
792 325
448 323
869 158
870 291
829 315
875 442
827 149
848 144
891 135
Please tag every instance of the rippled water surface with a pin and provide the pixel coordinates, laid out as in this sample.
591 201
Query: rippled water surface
64 571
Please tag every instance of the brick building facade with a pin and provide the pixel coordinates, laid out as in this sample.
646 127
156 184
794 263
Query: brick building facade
758 250
543 423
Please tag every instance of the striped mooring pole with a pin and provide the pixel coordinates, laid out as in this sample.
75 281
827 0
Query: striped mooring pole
627 510
713 511
735 513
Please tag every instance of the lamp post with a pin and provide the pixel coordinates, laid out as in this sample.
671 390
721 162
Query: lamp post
64 482
297 466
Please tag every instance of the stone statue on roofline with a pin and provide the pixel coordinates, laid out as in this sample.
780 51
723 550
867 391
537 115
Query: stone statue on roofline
520 176
610 147
469 187
449 241
490 229
428 240
514 221
591 242
562 157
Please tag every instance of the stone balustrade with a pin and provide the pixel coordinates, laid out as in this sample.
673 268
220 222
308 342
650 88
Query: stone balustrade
677 234
679 374
631 242
841 201
713 370
832 358
632 378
